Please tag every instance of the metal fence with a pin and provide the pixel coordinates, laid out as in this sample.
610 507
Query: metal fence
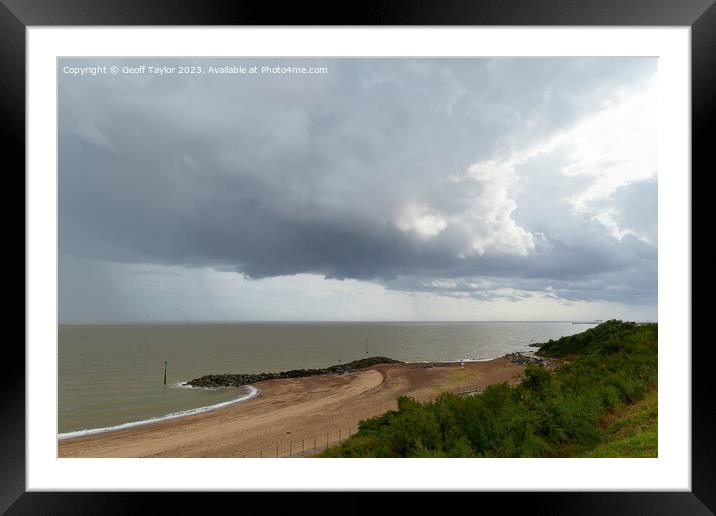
310 445
305 446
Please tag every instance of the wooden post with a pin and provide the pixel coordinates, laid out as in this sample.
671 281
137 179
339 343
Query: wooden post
261 453
277 450
339 435
326 439
315 438
303 445
165 372
289 448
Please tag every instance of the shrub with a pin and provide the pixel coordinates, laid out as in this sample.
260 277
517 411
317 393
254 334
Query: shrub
545 415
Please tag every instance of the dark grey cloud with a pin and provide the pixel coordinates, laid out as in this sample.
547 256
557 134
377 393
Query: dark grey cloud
359 173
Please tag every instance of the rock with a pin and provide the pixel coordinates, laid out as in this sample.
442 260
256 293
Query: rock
234 380
519 358
430 365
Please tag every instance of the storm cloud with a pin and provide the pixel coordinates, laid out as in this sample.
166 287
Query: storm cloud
479 178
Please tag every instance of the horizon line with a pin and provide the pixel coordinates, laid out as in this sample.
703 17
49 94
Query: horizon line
288 321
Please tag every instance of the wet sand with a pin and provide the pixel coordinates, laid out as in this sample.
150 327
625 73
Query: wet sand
299 411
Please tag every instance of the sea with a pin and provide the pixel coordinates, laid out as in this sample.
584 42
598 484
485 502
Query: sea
112 376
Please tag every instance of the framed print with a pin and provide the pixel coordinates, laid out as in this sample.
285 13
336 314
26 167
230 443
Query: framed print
438 239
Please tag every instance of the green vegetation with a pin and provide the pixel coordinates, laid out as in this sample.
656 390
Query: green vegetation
584 408
630 431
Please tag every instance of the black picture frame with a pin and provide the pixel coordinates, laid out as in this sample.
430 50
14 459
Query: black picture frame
16 15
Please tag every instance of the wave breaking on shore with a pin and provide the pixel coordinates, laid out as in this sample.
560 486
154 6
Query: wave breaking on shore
252 393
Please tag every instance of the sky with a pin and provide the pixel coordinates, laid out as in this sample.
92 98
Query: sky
380 189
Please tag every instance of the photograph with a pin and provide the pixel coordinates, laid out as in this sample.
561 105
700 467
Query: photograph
424 248
357 257
454 243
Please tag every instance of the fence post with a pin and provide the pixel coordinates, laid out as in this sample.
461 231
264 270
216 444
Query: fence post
339 435
303 446
262 453
315 438
277 450
326 439
289 448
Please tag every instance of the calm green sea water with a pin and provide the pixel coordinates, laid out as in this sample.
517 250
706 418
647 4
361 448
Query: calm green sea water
111 375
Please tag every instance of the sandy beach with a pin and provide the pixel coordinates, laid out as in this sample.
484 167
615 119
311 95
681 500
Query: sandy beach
290 415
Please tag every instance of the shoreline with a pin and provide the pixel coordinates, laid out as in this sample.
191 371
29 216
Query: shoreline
287 408
253 392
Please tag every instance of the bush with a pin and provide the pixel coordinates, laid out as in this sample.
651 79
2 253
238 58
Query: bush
546 415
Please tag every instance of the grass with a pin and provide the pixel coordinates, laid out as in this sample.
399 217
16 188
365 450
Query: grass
630 431
458 378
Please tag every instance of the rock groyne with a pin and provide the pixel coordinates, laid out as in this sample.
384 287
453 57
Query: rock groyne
235 380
